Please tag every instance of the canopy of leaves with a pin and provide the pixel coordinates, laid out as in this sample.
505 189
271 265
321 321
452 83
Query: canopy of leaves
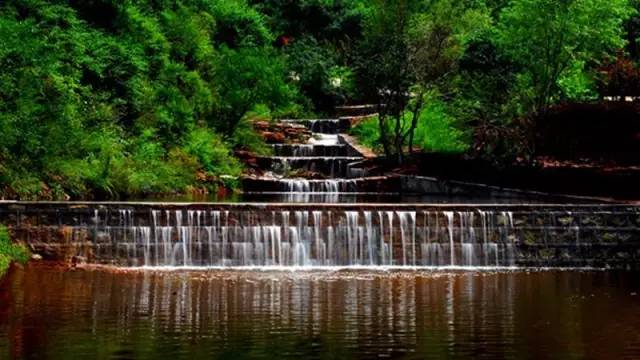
553 40
132 103
109 98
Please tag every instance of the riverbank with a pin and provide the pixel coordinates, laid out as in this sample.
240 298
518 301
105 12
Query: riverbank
10 252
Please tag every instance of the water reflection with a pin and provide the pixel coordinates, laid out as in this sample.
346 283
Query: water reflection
47 313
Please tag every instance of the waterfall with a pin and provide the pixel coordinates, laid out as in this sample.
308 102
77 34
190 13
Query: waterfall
318 237
332 166
310 150
383 252
452 257
390 223
407 230
370 239
325 155
303 186
323 235
326 126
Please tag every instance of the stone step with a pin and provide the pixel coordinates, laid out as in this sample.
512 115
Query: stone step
333 167
356 110
380 184
313 150
322 126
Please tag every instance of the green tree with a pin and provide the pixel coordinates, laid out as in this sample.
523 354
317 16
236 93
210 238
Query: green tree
409 49
106 99
553 40
247 77
437 38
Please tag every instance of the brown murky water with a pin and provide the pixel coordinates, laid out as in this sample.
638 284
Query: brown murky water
48 313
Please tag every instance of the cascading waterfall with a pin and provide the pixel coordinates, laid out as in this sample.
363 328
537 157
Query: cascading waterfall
325 126
332 166
449 215
307 238
308 150
318 186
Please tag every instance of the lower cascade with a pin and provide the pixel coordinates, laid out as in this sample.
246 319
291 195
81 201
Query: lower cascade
329 235
310 238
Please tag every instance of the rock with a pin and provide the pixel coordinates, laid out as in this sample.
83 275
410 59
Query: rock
249 158
261 125
281 132
244 154
78 260
273 138
36 257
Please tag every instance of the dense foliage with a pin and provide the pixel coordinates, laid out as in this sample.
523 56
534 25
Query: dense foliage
10 252
109 98
497 65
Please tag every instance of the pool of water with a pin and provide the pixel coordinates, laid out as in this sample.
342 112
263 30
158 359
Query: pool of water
101 313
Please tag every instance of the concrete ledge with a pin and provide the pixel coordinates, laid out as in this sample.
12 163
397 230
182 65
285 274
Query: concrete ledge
431 185
364 151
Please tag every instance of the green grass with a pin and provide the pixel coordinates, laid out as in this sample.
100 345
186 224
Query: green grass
368 133
10 252
436 131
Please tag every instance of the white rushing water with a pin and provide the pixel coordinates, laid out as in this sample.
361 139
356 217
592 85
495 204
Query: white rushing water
300 238
324 155
324 139
318 186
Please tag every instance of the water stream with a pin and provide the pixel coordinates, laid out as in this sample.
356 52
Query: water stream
325 154
304 238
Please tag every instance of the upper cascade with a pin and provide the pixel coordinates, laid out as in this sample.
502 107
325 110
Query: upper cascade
327 156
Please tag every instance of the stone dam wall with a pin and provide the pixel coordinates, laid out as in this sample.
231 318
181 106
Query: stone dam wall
224 235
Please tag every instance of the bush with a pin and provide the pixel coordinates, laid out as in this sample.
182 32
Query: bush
248 77
10 252
133 103
212 153
436 131
313 66
368 133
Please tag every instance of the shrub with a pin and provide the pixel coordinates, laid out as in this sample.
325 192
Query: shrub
436 131
212 153
10 252
368 133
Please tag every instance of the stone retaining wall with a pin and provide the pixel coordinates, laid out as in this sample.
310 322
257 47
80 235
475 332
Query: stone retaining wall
536 235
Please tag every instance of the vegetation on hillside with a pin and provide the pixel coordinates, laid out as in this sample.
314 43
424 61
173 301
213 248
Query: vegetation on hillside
111 99
10 252
496 66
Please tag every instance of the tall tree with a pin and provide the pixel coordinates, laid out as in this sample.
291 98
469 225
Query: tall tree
551 40
409 48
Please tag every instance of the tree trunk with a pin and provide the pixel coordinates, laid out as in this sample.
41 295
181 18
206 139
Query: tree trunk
398 139
383 134
411 141
417 111
412 129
